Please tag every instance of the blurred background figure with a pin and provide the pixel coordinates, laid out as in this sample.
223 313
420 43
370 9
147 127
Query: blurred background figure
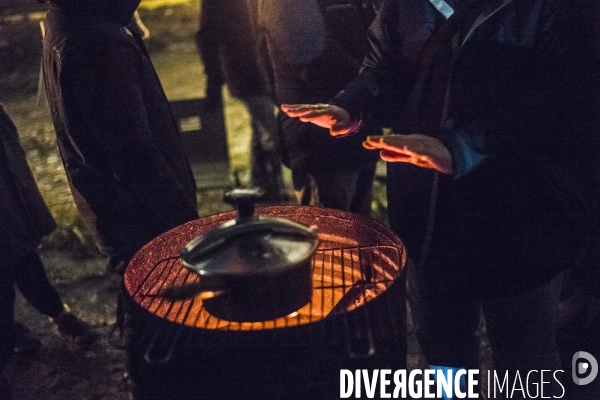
227 47
24 220
313 49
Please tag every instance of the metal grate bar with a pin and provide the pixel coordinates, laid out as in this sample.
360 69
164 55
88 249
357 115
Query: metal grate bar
147 277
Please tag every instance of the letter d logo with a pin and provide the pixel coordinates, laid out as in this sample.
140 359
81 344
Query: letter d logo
580 367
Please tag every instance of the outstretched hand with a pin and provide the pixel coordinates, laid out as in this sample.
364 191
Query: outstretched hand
334 118
420 150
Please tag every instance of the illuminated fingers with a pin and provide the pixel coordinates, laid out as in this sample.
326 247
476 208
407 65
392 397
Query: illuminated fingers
313 114
419 150
319 114
393 143
297 110
372 142
390 153
340 128
393 156
331 117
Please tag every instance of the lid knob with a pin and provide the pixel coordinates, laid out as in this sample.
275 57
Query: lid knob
244 200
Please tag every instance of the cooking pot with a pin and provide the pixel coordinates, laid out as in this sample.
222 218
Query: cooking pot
251 268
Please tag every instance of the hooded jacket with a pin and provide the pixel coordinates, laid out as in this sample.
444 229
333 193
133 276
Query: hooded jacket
119 143
521 122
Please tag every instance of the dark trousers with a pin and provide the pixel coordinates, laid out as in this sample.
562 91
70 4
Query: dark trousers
520 328
265 157
345 189
6 318
31 280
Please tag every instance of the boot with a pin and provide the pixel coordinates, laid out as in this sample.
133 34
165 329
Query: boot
76 332
25 342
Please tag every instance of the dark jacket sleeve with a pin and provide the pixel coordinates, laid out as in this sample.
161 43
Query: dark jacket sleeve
24 216
25 190
104 86
389 70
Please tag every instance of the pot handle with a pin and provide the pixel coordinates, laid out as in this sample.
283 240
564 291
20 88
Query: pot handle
182 292
358 347
155 353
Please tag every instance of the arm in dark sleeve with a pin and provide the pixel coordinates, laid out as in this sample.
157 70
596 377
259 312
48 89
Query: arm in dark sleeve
104 86
389 69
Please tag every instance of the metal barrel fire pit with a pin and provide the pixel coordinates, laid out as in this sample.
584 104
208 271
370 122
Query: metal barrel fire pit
355 318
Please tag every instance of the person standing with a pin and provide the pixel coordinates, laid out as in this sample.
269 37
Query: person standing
118 140
24 220
310 63
493 168
226 44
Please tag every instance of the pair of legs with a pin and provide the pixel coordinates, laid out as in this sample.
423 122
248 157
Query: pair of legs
520 329
7 340
265 157
30 277
346 189
31 280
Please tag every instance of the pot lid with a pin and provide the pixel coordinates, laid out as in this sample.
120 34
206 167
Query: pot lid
250 244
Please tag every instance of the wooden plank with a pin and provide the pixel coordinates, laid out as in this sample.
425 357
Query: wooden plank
205 141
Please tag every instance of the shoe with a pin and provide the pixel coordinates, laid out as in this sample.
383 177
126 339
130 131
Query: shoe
75 331
25 342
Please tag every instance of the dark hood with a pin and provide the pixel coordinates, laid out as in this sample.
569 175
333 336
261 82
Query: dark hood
120 10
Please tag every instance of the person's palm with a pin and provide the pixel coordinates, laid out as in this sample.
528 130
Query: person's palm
420 150
334 118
